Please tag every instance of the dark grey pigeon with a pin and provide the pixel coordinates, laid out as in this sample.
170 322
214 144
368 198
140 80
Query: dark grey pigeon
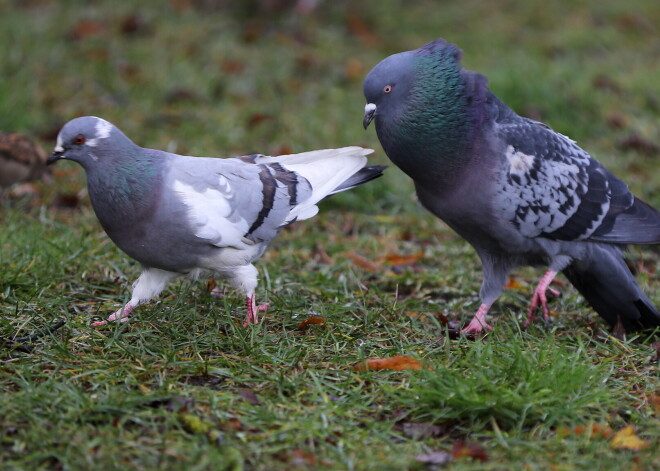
517 191
195 216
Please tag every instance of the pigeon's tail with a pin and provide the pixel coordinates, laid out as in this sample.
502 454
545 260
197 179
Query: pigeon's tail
638 224
364 175
328 171
608 285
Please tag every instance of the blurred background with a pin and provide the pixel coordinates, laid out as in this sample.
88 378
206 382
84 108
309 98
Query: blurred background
222 78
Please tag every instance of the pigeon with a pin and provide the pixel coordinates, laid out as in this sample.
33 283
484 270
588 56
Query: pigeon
21 159
517 191
197 216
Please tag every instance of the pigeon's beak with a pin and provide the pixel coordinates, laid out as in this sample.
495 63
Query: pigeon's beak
369 113
58 154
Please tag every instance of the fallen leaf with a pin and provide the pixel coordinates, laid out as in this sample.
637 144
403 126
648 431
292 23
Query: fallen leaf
231 66
397 363
133 25
364 262
258 118
400 259
353 70
434 457
655 403
210 284
66 201
249 396
594 431
86 28
463 449
513 283
636 142
312 320
627 439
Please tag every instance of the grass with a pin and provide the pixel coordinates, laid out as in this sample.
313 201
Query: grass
183 385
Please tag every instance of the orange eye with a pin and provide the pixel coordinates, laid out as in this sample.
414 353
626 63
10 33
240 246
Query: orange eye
79 139
387 89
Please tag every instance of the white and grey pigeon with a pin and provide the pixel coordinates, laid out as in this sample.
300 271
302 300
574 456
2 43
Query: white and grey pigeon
517 191
195 216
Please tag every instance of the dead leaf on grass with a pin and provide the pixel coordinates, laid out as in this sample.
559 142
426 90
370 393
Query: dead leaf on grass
312 320
463 449
594 431
364 262
397 363
628 440
396 259
249 396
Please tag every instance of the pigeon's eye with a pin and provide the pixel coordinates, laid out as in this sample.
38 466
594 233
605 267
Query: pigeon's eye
387 89
79 139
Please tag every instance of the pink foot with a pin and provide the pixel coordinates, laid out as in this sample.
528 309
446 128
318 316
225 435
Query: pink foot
540 297
120 315
478 322
253 310
217 293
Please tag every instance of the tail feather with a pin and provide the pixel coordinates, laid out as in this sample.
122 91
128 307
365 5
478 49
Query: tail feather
328 171
364 175
638 224
610 288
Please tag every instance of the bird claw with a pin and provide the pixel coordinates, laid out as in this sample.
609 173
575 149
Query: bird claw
476 327
121 315
539 296
253 311
478 322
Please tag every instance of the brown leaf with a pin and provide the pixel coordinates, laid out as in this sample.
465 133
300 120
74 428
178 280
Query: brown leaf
434 457
605 82
312 320
616 120
594 431
249 396
638 143
86 28
210 284
513 283
655 403
67 201
358 27
258 118
353 70
321 256
400 259
626 439
463 449
133 25
230 66
364 262
397 363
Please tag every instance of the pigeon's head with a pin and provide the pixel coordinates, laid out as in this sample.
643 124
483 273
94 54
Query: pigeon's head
85 140
398 78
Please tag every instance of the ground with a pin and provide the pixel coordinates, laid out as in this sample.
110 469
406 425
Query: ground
183 384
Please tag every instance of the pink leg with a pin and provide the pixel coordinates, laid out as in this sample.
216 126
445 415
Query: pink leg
120 315
253 310
539 295
478 322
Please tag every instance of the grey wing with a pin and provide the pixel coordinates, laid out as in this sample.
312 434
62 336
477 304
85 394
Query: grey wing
550 187
232 202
